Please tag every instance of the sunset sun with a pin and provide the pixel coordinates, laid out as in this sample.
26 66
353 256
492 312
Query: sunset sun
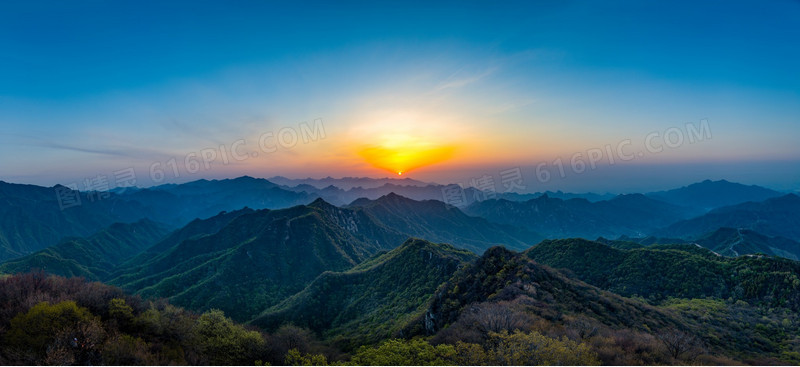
407 157
404 141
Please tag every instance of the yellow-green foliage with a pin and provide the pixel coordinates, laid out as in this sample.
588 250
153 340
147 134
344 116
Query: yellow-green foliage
119 310
534 349
36 329
517 348
397 352
295 358
127 350
224 341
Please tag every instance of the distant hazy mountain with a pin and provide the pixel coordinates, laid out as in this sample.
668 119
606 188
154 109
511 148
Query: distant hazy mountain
436 221
32 218
736 242
92 257
181 203
681 271
339 196
558 195
373 300
421 191
709 194
347 183
775 217
633 215
627 243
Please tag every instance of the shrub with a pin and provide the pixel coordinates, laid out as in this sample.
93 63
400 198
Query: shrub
62 332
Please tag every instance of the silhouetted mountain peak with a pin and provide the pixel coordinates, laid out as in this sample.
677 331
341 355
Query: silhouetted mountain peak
360 202
394 199
320 203
393 196
413 244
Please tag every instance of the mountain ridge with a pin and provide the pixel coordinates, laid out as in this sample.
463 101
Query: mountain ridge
92 257
774 217
707 195
439 222
632 215
371 301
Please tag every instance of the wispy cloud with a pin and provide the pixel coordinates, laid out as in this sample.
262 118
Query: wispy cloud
116 151
510 106
191 130
456 81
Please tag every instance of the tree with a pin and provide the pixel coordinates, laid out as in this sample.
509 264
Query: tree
289 337
295 358
168 321
127 350
120 312
496 317
60 333
584 327
534 349
397 352
118 309
679 343
224 342
470 354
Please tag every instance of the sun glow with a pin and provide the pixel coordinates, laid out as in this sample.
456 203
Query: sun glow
403 141
405 158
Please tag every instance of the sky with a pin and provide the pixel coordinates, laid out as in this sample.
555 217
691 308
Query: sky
617 96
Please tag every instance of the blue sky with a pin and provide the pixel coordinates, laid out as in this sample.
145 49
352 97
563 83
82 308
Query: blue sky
91 88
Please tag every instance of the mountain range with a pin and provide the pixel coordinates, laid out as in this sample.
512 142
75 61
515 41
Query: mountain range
659 272
779 216
734 242
709 194
258 258
31 218
34 217
91 257
373 300
346 183
283 250
629 215
437 221
373 270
